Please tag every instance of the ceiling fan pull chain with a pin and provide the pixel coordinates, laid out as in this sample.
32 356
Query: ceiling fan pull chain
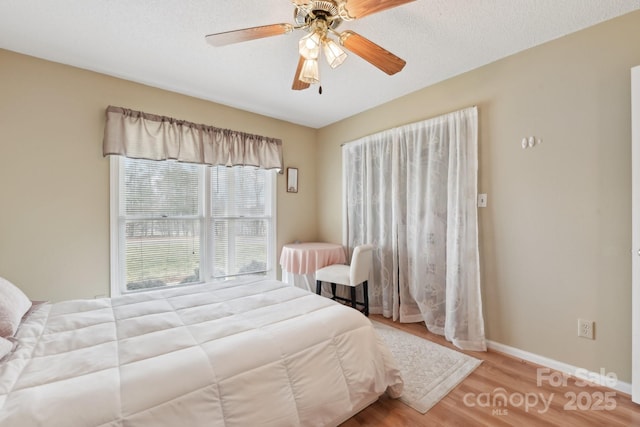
320 90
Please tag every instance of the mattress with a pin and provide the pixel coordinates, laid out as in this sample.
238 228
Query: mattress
236 353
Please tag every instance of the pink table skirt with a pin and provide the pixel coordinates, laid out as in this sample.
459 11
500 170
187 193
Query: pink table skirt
306 258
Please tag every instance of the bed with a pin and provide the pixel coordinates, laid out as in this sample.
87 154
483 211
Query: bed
236 353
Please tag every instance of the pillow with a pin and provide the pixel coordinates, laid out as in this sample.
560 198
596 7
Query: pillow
5 347
13 305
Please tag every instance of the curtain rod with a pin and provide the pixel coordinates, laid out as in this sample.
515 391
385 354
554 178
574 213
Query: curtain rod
406 124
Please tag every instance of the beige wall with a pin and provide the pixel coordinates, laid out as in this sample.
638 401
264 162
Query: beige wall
54 182
556 235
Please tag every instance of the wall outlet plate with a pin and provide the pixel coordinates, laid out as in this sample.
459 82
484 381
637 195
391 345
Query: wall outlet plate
482 200
586 329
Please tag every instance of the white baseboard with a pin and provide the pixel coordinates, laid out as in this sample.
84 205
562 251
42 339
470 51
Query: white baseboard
620 386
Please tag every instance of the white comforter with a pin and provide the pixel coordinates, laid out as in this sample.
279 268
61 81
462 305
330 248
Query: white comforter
248 353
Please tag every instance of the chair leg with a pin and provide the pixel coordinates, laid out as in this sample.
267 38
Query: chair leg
318 287
353 296
333 290
365 290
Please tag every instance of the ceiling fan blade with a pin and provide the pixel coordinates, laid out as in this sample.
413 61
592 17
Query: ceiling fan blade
297 83
372 53
246 34
358 8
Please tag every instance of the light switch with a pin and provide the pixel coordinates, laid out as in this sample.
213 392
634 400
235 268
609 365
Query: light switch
482 200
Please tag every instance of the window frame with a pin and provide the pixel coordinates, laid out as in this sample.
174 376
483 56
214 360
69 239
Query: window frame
205 217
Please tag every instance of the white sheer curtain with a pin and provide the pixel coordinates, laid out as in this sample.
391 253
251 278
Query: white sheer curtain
411 191
368 165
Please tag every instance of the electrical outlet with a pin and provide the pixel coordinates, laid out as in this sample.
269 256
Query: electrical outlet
586 328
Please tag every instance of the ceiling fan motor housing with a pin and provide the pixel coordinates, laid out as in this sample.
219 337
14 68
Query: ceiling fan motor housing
326 10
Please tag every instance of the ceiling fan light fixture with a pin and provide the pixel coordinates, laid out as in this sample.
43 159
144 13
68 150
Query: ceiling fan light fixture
310 73
309 45
334 54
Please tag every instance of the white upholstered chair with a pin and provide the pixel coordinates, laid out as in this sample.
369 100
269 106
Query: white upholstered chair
349 275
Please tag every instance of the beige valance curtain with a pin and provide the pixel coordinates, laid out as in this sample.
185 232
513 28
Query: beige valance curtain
148 136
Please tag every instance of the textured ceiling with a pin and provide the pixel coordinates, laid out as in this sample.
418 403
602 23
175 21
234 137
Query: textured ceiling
161 43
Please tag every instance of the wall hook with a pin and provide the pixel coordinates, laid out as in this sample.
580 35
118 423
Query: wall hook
530 142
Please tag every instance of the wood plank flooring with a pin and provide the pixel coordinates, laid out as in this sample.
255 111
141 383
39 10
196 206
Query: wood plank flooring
475 401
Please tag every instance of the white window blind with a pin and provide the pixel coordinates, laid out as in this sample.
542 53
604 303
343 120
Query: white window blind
241 221
178 223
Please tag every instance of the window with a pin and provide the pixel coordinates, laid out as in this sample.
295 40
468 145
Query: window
177 223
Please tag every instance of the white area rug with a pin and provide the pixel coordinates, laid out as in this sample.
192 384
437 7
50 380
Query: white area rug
429 370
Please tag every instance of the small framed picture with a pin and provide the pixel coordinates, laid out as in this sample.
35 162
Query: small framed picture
292 180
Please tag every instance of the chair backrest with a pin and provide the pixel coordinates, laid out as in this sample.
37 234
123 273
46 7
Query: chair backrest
361 264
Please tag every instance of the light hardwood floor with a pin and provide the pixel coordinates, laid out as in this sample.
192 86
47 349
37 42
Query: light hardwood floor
471 402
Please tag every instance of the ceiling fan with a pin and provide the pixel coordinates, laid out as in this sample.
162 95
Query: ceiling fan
320 19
